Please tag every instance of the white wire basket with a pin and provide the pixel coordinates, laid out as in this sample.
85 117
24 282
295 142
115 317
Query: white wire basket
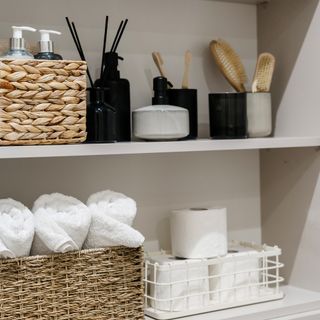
175 288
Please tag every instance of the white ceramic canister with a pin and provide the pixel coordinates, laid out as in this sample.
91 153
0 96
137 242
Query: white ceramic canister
160 122
259 113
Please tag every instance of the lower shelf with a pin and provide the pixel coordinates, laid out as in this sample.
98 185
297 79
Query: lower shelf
296 301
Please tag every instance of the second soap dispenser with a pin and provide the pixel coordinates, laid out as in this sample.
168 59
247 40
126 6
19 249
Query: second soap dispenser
119 95
46 48
160 121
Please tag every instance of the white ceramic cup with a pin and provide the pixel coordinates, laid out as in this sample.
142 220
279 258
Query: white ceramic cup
259 113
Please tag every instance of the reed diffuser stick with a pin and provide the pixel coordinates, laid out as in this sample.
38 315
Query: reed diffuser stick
73 36
78 40
120 36
104 45
116 37
77 43
81 51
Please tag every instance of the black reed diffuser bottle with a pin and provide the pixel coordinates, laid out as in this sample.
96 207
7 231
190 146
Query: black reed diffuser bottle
101 124
109 117
119 95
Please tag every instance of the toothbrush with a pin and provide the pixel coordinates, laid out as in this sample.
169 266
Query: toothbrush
159 63
187 62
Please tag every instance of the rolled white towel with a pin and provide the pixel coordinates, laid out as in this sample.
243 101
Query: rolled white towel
106 231
16 229
5 252
61 224
116 205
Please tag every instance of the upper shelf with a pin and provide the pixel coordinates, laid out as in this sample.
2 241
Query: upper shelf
154 147
245 1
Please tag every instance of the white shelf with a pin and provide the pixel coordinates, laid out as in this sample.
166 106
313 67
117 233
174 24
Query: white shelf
296 301
76 150
245 1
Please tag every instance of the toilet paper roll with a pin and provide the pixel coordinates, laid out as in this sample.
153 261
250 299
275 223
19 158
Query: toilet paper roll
199 233
238 279
176 284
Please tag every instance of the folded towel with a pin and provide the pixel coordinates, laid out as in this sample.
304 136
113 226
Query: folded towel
112 216
61 224
16 229
115 205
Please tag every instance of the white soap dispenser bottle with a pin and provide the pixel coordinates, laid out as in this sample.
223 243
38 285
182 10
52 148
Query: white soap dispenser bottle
17 45
161 121
46 46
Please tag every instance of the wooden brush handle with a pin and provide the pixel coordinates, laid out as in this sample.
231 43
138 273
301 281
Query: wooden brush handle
187 62
254 87
158 62
160 58
242 88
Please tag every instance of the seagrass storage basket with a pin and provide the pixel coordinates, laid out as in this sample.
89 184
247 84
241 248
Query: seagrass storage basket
87 285
42 102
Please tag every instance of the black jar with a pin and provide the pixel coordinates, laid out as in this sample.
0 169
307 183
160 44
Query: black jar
228 115
186 98
101 117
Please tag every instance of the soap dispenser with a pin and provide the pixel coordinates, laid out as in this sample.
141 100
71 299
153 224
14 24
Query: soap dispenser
160 121
17 45
119 95
46 46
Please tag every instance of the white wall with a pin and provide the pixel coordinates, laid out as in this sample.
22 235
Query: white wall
290 30
290 211
159 183
290 178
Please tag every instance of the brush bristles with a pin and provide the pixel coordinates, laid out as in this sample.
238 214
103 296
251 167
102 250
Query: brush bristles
229 63
264 73
234 59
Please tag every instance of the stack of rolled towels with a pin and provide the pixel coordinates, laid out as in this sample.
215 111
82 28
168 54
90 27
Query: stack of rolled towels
59 224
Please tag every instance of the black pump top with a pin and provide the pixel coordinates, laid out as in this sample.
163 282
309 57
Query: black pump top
98 94
111 66
160 85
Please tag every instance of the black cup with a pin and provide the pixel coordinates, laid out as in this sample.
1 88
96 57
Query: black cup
228 115
186 98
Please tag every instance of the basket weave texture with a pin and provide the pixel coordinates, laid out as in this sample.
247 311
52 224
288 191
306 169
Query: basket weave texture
88 284
42 102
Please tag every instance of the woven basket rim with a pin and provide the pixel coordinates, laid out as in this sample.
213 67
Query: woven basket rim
46 60
76 252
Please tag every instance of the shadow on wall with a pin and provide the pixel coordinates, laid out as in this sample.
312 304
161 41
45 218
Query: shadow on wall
282 34
290 188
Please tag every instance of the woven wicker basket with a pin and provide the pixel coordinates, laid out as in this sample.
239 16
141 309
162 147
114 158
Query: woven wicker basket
42 102
89 284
